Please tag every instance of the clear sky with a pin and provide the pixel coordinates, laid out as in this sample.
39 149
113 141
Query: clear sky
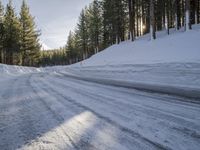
55 18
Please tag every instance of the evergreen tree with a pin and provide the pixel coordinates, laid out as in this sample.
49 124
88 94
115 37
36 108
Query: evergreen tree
95 25
114 21
11 43
70 49
53 57
77 45
30 47
83 33
119 20
108 23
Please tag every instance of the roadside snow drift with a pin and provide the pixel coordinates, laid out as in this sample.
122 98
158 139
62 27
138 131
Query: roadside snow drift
179 46
13 70
170 64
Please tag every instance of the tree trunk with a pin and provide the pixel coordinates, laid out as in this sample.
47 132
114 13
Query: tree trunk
176 14
131 19
167 16
137 19
187 16
152 20
196 11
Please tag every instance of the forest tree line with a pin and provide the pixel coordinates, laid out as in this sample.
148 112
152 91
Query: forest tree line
19 39
53 57
104 23
107 22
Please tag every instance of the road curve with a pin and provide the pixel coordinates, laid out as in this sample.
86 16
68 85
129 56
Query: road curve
52 111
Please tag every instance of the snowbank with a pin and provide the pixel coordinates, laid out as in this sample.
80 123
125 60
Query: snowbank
169 64
179 46
14 70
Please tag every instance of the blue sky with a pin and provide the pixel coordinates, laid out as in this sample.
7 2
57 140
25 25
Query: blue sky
55 18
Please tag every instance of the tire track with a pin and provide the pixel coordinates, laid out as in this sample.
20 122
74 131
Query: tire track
108 120
164 97
189 130
9 123
83 144
169 116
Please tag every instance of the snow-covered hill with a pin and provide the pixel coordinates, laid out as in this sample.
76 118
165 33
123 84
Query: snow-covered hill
179 46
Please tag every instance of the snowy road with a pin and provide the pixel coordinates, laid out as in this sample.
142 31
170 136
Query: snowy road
52 111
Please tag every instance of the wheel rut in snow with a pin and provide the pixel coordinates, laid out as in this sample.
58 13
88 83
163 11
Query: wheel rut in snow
82 145
183 128
146 109
106 119
193 94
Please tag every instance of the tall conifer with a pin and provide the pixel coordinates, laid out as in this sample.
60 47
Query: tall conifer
30 47
11 43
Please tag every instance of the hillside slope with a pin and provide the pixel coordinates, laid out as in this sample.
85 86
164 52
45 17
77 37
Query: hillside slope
170 60
179 46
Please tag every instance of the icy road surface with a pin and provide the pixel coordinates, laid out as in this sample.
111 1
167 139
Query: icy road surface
52 111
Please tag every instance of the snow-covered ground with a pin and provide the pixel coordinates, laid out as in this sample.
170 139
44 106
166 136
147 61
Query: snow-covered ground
170 60
179 46
52 111
16 70
87 106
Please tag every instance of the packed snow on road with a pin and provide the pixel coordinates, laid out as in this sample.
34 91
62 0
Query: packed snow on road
145 95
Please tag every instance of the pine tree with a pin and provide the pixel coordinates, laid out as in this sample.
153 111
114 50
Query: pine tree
119 20
1 31
108 23
83 33
30 47
70 48
95 25
12 30
114 21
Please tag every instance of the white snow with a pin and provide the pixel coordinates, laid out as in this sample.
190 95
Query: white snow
170 60
179 46
45 108
16 70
